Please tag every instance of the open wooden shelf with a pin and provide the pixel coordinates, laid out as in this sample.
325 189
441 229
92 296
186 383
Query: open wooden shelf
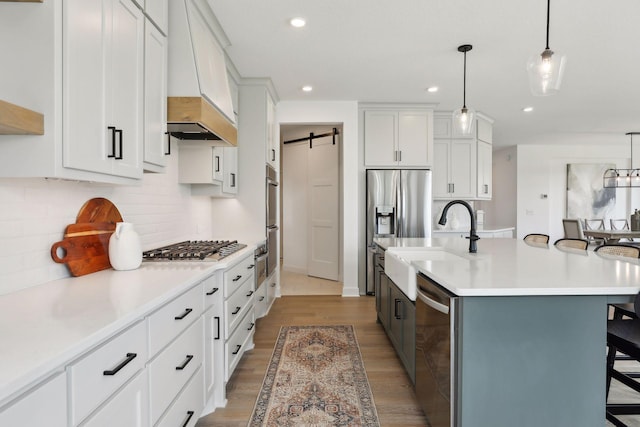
16 120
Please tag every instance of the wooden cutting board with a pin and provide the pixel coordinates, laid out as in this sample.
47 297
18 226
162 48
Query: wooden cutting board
85 246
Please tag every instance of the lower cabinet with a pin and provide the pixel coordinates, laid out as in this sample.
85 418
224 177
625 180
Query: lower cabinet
185 410
50 399
397 314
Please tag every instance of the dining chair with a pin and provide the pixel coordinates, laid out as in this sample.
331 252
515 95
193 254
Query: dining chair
594 225
620 224
572 229
623 337
536 238
572 243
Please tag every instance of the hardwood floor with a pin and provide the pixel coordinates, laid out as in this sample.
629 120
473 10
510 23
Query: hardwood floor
392 390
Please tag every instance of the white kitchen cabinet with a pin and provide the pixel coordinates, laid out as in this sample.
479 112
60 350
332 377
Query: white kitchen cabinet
443 126
128 407
485 170
185 410
103 87
50 400
156 141
158 12
272 145
398 138
454 169
212 170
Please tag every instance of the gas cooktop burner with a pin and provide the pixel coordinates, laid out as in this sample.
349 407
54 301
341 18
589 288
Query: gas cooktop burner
204 250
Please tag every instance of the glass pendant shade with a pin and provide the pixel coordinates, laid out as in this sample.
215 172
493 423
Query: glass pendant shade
463 119
545 72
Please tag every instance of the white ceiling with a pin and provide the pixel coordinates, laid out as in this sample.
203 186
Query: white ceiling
392 50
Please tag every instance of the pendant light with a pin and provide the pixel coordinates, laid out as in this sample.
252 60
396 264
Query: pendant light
463 117
623 178
546 69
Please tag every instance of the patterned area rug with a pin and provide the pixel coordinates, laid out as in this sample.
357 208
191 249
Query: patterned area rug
315 378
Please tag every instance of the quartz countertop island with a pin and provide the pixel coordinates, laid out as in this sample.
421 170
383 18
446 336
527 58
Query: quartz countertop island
527 331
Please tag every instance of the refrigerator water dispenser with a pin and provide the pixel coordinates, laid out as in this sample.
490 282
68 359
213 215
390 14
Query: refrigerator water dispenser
385 220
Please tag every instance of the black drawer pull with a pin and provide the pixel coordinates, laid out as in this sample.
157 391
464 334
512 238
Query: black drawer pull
212 291
236 310
113 141
217 337
189 415
125 362
395 314
183 315
251 327
238 347
238 277
261 299
273 285
186 362
250 266
168 152
249 294
119 132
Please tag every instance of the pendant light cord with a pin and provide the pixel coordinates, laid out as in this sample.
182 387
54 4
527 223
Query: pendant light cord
464 82
548 12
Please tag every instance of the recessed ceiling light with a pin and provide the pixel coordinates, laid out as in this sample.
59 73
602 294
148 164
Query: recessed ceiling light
527 109
298 22
432 89
307 88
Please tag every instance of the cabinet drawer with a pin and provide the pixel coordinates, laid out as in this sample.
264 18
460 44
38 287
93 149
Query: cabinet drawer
238 343
237 275
97 375
212 291
127 408
236 306
186 410
50 400
260 300
166 323
173 367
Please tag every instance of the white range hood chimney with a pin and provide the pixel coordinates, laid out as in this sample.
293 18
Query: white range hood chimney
199 105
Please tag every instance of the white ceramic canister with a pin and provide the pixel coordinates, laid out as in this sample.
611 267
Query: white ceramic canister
125 251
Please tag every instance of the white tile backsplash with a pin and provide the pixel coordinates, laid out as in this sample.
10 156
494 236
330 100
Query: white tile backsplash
35 212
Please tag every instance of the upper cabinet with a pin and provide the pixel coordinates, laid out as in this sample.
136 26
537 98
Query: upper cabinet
211 170
272 145
462 167
397 137
88 80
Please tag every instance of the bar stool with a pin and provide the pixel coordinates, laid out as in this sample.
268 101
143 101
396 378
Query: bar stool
536 238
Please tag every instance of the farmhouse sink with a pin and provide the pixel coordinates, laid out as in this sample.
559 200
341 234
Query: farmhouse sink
397 265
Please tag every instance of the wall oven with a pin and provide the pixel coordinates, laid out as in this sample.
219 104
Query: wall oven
272 220
436 312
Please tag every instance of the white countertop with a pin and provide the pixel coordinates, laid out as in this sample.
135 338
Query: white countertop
486 229
508 267
43 327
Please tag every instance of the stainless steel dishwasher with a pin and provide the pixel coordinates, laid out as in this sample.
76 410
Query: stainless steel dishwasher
436 311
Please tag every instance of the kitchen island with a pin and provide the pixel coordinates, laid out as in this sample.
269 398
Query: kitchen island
528 329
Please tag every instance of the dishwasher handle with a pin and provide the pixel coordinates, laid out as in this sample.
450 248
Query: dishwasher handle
442 308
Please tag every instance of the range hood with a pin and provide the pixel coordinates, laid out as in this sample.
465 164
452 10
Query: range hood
199 105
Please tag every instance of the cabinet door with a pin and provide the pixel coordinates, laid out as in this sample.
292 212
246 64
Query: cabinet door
230 167
414 138
158 11
380 138
485 163
441 187
218 163
384 300
86 139
271 144
396 308
125 87
128 407
463 168
409 336
156 142
44 406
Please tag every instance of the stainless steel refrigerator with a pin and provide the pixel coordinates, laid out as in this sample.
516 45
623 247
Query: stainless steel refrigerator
398 205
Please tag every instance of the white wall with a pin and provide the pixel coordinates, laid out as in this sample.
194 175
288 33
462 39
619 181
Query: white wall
34 213
345 112
542 169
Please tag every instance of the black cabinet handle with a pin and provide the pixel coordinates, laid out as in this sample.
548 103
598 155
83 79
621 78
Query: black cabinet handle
217 167
113 141
217 337
168 152
395 314
249 294
125 362
238 347
236 310
233 180
251 327
186 362
119 132
189 415
238 277
261 299
249 267
183 315
212 291
273 155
